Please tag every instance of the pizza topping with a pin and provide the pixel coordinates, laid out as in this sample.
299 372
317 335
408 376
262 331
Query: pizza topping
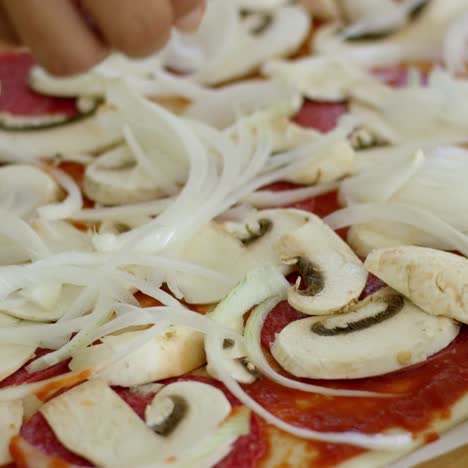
264 226
350 323
254 351
177 351
378 441
115 178
454 46
370 22
414 33
413 113
24 188
87 135
325 78
224 26
331 275
183 412
400 213
257 286
385 322
11 418
92 421
364 238
432 279
13 356
15 123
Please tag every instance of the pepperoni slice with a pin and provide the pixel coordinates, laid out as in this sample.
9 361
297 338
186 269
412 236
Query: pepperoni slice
22 376
16 97
321 116
246 451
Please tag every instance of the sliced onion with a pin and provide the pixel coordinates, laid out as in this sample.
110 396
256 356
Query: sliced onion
456 40
83 338
214 351
257 286
72 203
270 199
151 208
20 233
400 213
255 354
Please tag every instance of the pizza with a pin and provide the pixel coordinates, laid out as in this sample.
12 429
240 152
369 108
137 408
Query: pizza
247 250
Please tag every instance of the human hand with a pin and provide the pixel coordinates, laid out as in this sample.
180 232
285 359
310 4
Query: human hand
70 36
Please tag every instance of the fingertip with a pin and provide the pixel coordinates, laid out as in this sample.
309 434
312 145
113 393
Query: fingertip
191 21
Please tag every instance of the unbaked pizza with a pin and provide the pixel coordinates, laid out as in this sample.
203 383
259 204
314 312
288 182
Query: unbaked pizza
247 250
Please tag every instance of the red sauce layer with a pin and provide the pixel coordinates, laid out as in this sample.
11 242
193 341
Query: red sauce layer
427 392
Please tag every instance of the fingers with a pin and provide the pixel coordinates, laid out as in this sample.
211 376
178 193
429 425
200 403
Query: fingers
56 34
188 14
8 35
137 28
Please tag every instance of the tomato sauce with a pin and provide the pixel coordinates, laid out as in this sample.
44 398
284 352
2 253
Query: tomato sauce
426 391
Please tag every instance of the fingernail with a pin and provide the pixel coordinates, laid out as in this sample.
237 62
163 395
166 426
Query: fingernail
191 22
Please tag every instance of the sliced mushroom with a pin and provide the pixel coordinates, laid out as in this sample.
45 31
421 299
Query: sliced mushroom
115 178
236 363
330 274
94 422
373 21
178 351
42 303
410 34
337 162
286 32
233 250
220 106
184 412
434 280
23 188
364 238
11 418
381 334
89 135
326 78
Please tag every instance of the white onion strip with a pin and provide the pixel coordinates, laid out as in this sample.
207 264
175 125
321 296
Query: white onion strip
151 208
83 338
400 213
72 203
270 199
23 235
255 354
214 351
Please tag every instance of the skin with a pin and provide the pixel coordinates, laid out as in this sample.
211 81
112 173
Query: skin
70 36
